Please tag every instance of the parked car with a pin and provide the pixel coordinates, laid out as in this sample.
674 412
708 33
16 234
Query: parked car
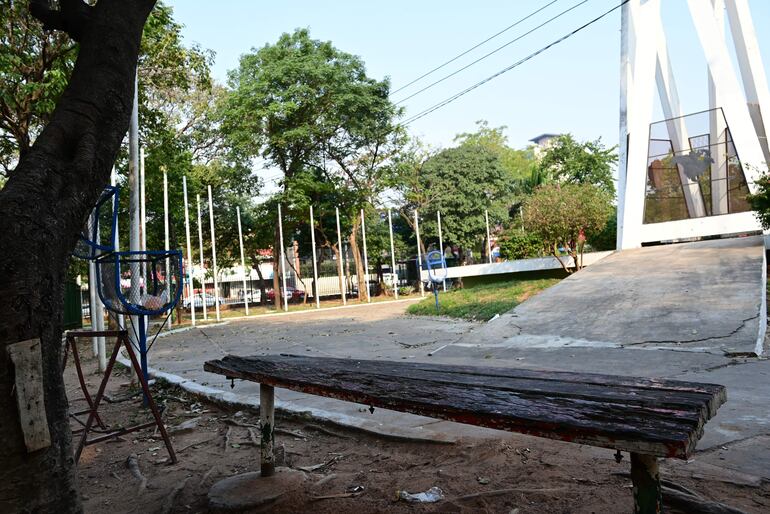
293 294
198 301
254 296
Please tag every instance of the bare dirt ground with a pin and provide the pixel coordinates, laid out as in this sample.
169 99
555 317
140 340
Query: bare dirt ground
511 474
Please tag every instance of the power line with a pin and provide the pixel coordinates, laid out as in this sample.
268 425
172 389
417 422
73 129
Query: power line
453 59
442 79
454 97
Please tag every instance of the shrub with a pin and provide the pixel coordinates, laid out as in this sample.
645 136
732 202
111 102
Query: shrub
563 214
520 245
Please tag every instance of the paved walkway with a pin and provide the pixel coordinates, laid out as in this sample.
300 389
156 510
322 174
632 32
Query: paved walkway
736 442
700 297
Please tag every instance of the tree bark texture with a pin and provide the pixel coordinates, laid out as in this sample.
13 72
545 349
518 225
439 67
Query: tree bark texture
43 206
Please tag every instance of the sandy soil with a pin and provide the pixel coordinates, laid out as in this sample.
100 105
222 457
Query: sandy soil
511 474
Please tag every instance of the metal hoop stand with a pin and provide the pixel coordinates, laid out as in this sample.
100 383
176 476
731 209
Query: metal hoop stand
93 404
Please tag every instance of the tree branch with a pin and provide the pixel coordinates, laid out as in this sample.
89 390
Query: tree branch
72 16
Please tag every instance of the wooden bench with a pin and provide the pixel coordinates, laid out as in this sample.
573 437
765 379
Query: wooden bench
649 418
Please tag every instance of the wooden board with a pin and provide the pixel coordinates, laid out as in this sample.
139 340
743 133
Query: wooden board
30 400
656 417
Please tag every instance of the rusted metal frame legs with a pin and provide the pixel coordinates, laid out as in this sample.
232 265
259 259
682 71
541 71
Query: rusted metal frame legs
150 401
71 341
123 339
267 426
645 477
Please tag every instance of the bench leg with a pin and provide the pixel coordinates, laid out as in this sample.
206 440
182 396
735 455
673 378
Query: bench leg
646 479
267 424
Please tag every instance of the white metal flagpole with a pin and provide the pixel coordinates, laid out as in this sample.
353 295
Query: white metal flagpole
92 299
489 243
121 320
98 312
203 277
316 293
440 241
134 208
166 241
366 258
419 252
143 229
283 261
190 288
340 258
214 254
243 260
143 209
393 272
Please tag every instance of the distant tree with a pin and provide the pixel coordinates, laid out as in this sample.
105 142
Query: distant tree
517 163
303 104
562 214
36 65
460 183
568 161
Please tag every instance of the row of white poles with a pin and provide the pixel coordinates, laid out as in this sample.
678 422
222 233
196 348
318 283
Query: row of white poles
282 254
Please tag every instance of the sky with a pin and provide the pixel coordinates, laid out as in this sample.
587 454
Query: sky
571 88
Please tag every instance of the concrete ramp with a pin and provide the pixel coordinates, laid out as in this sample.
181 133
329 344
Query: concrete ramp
707 296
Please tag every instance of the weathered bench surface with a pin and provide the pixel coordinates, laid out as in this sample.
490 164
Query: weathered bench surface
664 418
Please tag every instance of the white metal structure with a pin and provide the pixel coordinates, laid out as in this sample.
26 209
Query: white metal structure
366 257
315 261
166 239
393 271
645 66
214 256
243 260
419 252
203 267
282 256
341 257
190 284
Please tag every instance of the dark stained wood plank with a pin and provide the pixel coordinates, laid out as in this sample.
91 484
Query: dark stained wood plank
592 387
639 415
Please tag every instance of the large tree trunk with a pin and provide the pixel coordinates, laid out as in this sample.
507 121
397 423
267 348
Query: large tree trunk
43 205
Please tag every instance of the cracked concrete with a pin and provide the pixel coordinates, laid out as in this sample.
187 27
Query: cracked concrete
703 296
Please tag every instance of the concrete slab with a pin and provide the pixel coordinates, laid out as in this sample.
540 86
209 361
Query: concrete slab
707 296
383 331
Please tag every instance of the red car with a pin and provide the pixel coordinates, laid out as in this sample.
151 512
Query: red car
294 295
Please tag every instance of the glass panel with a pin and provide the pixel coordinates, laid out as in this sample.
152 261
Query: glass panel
693 169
